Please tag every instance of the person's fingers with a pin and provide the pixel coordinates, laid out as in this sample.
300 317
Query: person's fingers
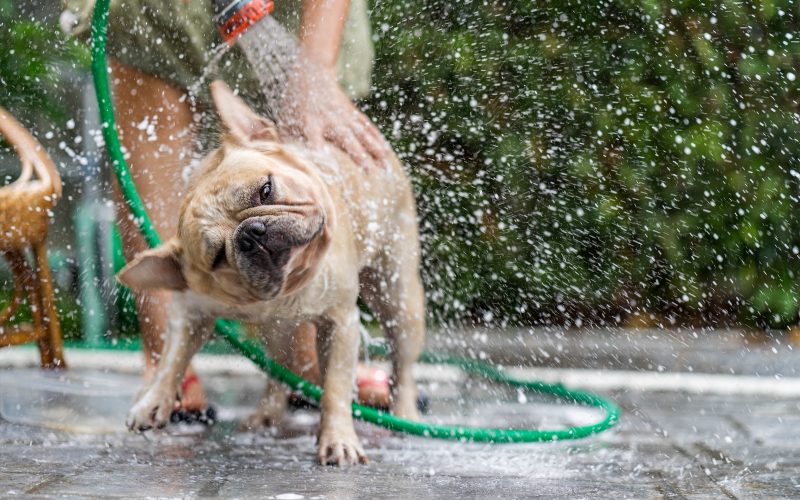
375 132
314 136
344 139
370 145
371 138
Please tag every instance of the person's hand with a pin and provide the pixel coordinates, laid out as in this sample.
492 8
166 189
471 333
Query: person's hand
314 107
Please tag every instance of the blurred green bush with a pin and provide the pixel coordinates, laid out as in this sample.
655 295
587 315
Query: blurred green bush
32 58
585 161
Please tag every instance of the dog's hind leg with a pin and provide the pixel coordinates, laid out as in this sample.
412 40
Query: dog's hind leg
270 409
396 296
278 338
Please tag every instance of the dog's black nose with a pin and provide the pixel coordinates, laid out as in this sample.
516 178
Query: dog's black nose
256 228
251 235
245 243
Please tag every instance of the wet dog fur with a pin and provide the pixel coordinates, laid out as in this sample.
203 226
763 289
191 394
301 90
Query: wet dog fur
274 234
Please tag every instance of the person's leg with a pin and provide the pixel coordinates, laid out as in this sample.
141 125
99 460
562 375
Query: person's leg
155 127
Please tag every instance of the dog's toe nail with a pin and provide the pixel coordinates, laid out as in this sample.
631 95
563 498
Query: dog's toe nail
341 455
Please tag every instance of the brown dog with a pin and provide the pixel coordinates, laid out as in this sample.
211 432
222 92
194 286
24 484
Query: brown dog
275 234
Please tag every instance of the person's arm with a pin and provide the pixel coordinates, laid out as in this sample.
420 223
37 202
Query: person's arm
321 28
316 107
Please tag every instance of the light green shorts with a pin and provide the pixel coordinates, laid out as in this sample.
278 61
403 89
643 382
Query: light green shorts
174 40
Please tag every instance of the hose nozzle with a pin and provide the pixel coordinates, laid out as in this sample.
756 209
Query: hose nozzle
234 17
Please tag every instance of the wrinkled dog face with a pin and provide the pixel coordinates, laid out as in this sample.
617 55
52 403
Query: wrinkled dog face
254 226
255 223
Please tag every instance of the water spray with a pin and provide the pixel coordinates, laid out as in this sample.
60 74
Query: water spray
237 18
272 51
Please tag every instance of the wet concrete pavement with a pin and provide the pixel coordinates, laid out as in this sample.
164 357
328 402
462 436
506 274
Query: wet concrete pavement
669 444
734 352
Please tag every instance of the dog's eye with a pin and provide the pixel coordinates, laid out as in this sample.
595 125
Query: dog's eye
265 194
219 259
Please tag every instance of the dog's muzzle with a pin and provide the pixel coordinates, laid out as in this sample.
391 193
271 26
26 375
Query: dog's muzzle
274 235
252 237
264 244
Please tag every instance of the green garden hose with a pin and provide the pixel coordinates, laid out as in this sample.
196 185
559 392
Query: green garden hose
232 332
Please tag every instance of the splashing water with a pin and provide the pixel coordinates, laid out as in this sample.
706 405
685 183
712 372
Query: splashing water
274 57
272 53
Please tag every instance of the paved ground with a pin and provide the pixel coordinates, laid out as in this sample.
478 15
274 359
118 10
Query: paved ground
670 444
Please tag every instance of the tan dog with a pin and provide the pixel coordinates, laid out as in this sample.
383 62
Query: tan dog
275 234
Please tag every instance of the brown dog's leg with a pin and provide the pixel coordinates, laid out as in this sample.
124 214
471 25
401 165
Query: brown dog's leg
337 443
183 339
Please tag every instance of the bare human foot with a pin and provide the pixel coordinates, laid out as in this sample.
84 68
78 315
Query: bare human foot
373 386
193 396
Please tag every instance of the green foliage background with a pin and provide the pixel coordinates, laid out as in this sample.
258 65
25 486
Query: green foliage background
33 59
30 55
575 161
584 161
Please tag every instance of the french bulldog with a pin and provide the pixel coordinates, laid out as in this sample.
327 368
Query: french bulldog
275 234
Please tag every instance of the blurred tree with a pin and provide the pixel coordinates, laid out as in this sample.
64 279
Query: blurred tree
583 161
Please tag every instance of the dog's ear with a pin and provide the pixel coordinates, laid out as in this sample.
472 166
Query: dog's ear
241 123
157 268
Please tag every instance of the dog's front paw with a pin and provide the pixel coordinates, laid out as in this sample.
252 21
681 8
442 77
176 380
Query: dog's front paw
340 448
151 411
